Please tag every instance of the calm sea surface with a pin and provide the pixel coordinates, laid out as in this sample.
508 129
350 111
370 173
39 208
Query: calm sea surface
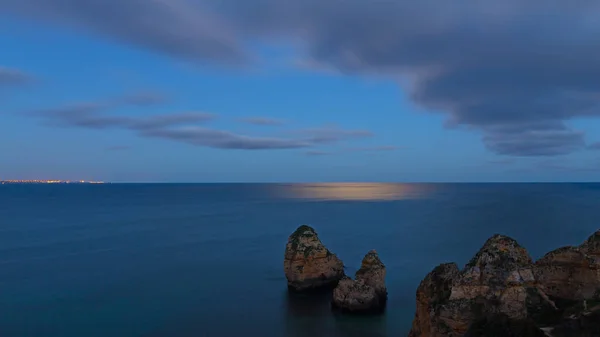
183 260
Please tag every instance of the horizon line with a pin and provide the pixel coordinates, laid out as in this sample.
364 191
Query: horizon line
99 182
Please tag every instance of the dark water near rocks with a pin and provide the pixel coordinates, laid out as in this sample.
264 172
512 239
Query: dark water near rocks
207 260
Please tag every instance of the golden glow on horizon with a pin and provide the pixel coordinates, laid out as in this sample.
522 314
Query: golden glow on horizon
354 191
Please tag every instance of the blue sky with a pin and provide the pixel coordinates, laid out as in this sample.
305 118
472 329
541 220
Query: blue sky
86 97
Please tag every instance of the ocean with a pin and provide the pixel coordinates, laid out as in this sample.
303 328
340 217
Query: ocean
183 260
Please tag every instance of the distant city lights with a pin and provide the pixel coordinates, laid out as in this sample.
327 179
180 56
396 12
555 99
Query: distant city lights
44 181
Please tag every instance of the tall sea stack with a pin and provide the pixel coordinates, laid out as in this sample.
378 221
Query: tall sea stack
308 264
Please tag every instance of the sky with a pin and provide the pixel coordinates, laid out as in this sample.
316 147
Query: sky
300 90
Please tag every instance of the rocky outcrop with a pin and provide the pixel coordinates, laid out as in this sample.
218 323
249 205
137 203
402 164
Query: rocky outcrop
498 280
367 293
433 290
571 273
501 292
591 246
372 272
308 264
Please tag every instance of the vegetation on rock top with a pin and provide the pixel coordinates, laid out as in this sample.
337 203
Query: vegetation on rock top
502 251
302 229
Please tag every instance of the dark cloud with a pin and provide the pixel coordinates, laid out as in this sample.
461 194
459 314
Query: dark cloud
179 28
74 110
93 114
516 71
13 77
496 67
331 134
87 116
306 138
78 114
223 139
262 121
535 142
162 121
183 127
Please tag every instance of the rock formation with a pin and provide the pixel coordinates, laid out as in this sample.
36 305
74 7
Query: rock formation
498 280
432 291
571 273
308 264
501 292
367 293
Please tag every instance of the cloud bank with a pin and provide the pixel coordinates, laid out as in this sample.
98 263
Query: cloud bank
178 28
187 127
515 71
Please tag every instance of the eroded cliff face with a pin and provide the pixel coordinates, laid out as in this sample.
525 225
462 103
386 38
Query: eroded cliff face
433 290
368 292
571 273
308 264
499 279
501 292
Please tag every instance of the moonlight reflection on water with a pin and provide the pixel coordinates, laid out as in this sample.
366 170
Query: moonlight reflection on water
354 191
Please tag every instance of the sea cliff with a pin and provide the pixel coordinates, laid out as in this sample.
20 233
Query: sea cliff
503 292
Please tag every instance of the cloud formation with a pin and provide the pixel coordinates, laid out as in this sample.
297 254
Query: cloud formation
223 139
535 142
186 127
91 116
497 67
13 77
303 138
179 28
331 134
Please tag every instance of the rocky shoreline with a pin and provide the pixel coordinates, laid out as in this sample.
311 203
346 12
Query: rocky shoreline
500 292
503 292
